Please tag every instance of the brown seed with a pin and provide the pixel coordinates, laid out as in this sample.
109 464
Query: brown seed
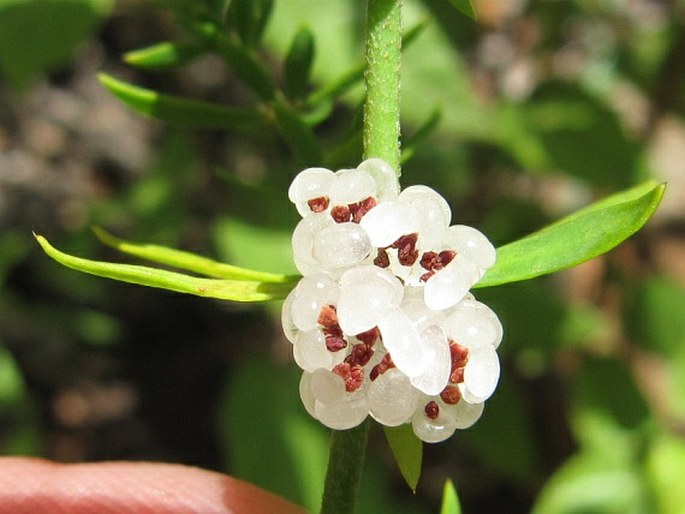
318 204
432 409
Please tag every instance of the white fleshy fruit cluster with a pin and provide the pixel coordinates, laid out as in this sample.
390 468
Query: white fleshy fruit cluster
382 322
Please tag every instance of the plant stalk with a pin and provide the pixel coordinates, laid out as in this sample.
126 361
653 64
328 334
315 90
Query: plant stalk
345 464
381 136
381 132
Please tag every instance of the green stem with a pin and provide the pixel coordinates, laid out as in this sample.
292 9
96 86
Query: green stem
383 56
345 464
381 139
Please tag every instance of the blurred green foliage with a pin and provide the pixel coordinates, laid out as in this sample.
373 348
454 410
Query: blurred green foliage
543 107
39 36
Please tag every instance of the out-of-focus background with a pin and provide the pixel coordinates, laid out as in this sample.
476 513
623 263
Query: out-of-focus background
545 106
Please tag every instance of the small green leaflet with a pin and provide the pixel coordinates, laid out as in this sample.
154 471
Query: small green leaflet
164 55
188 261
450 500
576 238
181 111
465 7
222 289
408 452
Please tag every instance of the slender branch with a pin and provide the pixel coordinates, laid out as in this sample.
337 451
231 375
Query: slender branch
381 139
383 56
345 464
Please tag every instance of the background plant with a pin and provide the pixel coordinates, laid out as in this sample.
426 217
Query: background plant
491 153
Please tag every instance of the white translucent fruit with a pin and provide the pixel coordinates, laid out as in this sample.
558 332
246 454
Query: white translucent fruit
473 324
450 418
418 309
303 242
351 186
323 395
392 399
310 352
307 185
438 361
387 184
403 342
471 245
366 293
388 221
481 374
450 284
310 296
341 245
434 214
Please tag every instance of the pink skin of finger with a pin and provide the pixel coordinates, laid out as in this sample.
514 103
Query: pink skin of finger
30 486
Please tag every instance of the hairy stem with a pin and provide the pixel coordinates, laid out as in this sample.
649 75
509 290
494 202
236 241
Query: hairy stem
382 78
381 139
345 463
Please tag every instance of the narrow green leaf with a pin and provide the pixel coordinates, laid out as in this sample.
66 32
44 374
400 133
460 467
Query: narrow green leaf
450 500
408 452
577 238
188 261
235 290
298 63
297 134
164 55
249 17
246 67
465 7
179 111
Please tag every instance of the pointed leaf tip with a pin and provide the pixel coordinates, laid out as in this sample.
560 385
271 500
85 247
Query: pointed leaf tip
179 111
577 238
408 452
450 500
221 289
465 7
188 261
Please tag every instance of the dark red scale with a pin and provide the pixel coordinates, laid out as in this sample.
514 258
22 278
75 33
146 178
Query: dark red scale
428 260
382 259
341 214
457 375
360 355
426 276
359 209
328 319
384 365
459 356
370 336
318 204
433 261
407 253
451 395
352 375
446 256
328 316
335 343
432 409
